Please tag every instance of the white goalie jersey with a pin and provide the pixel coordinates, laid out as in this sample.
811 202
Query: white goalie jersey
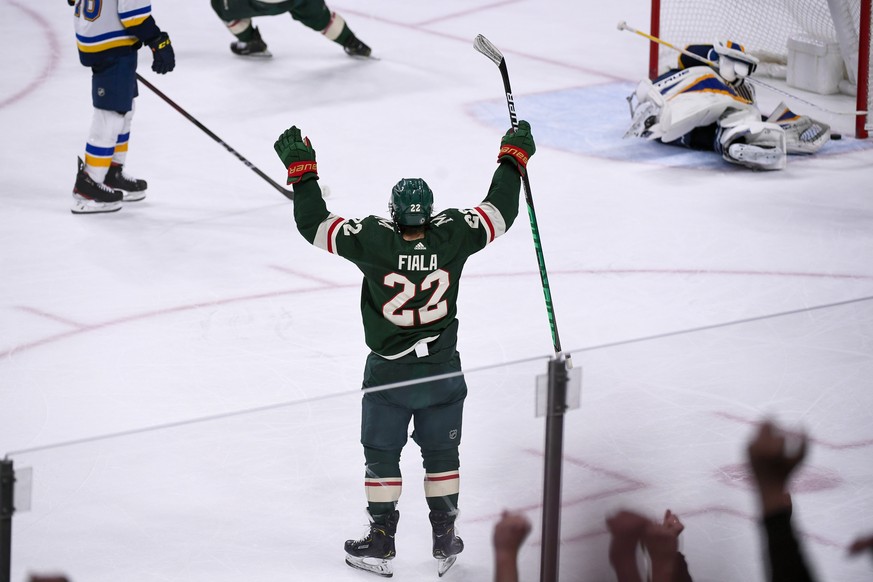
698 97
676 104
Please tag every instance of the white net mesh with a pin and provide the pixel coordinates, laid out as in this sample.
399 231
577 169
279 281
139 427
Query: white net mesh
762 26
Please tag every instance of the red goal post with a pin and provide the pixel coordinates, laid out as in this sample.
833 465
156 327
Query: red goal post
764 27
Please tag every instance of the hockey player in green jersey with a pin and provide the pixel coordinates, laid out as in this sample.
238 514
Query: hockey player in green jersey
412 264
237 16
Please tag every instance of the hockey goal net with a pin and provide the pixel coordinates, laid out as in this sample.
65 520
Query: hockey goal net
777 31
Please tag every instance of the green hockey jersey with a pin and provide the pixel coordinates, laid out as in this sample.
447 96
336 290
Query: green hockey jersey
410 288
237 9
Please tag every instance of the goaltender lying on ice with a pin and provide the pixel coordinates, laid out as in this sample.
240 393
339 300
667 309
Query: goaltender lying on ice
712 107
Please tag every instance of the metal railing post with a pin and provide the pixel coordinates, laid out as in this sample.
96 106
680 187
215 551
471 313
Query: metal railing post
554 451
7 508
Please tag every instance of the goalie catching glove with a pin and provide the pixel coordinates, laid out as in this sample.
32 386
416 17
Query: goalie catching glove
517 146
297 154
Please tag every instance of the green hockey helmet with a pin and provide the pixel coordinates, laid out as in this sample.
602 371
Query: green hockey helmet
411 202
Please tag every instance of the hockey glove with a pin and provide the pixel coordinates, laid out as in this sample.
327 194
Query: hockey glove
298 156
163 56
517 146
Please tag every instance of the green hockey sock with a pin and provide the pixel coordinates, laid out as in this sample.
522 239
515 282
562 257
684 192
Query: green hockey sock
246 35
344 35
448 503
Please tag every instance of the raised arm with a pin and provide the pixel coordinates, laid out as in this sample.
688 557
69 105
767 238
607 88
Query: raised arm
298 156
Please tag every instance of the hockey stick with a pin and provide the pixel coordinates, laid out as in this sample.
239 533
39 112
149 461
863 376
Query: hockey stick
484 46
286 193
624 26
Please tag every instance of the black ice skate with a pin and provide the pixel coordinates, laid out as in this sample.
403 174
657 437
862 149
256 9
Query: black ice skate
355 48
90 197
372 552
255 47
132 189
446 545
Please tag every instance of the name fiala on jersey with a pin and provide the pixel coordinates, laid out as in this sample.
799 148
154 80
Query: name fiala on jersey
417 262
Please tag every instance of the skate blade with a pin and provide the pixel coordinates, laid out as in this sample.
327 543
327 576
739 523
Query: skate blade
85 206
377 566
256 56
133 196
443 564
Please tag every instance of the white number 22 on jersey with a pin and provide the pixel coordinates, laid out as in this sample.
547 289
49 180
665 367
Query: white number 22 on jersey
436 307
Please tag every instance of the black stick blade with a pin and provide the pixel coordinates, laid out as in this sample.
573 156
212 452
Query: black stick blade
484 46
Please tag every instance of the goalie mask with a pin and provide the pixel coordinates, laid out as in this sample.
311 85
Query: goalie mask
733 60
411 203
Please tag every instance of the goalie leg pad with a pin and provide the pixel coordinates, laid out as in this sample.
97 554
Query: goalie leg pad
645 107
754 144
803 135
755 157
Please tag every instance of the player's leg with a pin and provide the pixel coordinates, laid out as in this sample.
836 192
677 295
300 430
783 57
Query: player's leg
133 189
113 88
442 482
316 15
438 433
383 484
237 17
90 194
126 91
383 434
700 138
248 41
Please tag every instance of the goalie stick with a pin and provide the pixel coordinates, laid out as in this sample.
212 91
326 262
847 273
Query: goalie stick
484 46
286 193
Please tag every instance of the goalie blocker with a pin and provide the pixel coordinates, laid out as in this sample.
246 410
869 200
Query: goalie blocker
697 108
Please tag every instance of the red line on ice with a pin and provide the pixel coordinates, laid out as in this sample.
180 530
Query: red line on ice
54 55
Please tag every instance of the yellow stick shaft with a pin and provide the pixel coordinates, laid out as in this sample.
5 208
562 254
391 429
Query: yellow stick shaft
624 26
